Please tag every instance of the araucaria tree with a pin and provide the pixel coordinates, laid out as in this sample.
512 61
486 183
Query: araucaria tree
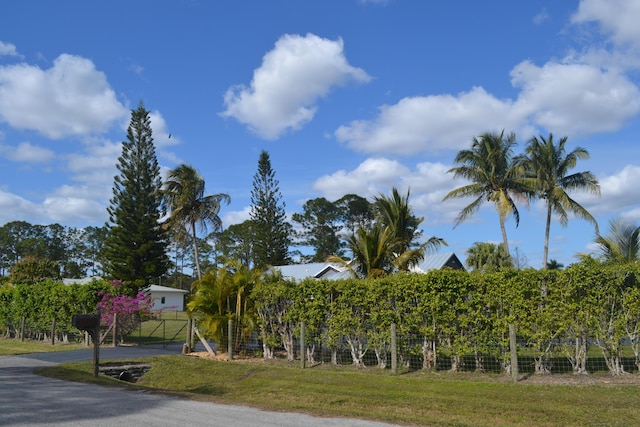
188 206
135 247
272 232
547 166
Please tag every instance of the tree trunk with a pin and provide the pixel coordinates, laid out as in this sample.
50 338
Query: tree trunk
505 240
381 356
267 352
547 229
311 349
455 363
479 361
196 259
428 354
287 342
581 355
357 351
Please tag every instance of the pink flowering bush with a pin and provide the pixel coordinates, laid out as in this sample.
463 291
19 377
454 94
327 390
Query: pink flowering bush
126 309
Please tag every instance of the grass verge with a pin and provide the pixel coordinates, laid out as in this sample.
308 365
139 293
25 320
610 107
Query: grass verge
433 399
9 346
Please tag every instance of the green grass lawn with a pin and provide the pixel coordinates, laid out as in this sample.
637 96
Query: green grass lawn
432 399
16 346
168 328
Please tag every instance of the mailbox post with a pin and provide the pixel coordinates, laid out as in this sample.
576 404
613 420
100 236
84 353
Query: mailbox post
91 324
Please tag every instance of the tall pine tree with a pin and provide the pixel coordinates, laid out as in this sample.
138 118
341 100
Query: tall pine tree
272 232
135 248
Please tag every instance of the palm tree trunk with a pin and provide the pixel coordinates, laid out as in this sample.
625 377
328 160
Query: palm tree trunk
545 254
505 241
195 250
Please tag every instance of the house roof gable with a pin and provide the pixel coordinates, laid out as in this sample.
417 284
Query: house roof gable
439 261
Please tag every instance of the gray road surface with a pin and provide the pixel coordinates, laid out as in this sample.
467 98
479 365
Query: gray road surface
27 399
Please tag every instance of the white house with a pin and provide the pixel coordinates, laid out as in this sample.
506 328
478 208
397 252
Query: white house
165 298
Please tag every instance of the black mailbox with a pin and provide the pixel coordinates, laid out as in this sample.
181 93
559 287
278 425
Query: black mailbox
86 322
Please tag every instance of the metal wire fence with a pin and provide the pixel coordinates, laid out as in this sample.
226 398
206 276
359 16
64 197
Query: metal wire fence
412 352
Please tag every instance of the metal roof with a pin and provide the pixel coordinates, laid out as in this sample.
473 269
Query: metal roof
158 288
333 271
317 270
439 261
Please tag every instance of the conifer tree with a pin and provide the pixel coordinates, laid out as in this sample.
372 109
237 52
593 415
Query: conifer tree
135 248
272 231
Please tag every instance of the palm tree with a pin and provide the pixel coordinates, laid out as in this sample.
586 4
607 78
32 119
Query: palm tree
495 177
488 257
372 250
547 166
396 213
222 295
390 244
622 244
188 206
554 264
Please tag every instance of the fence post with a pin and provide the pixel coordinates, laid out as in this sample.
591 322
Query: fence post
230 341
394 350
53 331
303 346
513 346
188 337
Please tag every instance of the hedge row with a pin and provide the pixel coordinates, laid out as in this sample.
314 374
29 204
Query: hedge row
457 315
40 304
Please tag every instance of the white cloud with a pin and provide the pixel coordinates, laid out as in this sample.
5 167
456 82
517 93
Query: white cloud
284 91
14 208
368 179
541 17
161 135
617 19
632 216
8 49
70 98
236 217
27 153
430 123
619 193
428 182
97 164
67 208
574 98
561 98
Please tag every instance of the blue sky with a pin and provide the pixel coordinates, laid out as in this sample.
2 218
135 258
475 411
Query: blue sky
347 96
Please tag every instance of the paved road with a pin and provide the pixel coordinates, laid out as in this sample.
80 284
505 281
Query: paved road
27 399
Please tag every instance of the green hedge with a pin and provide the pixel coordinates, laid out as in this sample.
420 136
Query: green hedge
457 314
39 304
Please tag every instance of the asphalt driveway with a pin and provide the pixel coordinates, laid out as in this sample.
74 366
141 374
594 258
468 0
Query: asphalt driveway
27 399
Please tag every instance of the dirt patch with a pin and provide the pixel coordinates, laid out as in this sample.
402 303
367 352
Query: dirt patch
577 380
223 357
